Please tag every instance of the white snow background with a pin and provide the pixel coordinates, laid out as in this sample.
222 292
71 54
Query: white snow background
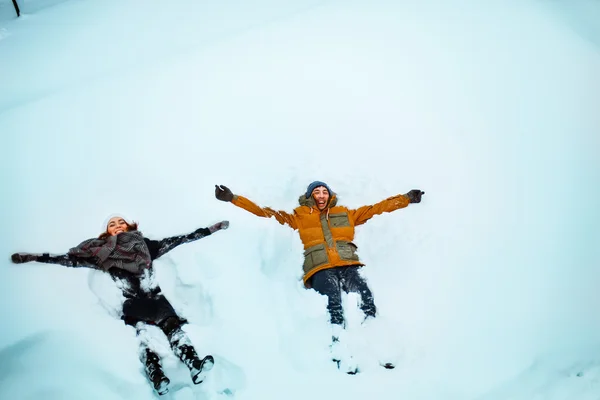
488 289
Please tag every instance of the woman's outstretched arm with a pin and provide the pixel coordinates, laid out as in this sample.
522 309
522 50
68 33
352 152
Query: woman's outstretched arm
160 247
61 259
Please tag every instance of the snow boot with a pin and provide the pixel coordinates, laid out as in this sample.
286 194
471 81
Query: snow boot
200 368
387 365
182 347
340 353
378 336
155 373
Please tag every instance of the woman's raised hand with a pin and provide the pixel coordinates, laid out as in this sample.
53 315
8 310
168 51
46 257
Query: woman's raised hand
218 226
20 258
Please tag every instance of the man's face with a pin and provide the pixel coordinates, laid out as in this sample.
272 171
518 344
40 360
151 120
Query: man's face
321 196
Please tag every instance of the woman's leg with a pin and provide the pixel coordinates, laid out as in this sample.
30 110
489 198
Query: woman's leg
182 347
151 362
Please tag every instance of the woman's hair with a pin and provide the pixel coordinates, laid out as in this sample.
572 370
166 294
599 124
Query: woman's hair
130 227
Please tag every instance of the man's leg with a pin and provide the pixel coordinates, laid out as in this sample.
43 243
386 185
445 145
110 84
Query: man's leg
327 283
381 346
182 347
354 282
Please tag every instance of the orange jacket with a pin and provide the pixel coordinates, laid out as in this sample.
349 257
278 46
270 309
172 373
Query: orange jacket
327 235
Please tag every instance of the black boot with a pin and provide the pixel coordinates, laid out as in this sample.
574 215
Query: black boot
388 365
340 353
182 347
198 367
154 372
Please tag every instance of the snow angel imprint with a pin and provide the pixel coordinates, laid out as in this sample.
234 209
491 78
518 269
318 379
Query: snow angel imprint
331 263
124 253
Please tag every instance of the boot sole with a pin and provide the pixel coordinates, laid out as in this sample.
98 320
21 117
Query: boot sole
349 371
163 388
208 363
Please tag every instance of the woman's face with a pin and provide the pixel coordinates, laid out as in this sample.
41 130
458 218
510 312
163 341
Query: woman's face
116 225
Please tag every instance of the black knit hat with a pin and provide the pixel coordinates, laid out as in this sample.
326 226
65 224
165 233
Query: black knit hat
315 185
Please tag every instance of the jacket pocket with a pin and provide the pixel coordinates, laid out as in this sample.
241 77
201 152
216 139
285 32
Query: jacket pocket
339 220
314 256
346 250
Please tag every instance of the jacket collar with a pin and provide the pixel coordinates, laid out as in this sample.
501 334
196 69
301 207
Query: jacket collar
310 202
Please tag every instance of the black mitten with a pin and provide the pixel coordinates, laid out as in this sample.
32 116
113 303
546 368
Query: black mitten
20 258
414 196
223 193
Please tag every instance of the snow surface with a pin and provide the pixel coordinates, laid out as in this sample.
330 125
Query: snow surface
487 290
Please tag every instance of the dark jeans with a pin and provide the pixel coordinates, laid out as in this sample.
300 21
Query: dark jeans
330 282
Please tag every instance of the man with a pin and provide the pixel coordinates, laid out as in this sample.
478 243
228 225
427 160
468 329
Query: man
326 229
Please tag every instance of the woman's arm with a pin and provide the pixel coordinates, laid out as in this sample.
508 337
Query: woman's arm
160 247
61 259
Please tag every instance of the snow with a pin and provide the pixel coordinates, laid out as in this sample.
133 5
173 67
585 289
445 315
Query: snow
486 290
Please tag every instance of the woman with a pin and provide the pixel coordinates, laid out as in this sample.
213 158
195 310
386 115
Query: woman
127 256
331 264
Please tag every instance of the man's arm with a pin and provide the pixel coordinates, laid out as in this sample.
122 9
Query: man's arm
224 194
365 213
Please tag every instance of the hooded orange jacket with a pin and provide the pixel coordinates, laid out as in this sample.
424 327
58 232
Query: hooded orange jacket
327 235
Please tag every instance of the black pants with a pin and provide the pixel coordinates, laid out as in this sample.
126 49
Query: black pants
153 310
330 282
158 311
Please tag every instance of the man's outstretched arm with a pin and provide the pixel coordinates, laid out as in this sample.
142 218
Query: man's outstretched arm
365 213
223 193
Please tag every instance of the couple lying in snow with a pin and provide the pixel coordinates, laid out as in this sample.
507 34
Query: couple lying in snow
331 265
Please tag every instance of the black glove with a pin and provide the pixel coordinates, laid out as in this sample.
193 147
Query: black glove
20 258
223 193
414 196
